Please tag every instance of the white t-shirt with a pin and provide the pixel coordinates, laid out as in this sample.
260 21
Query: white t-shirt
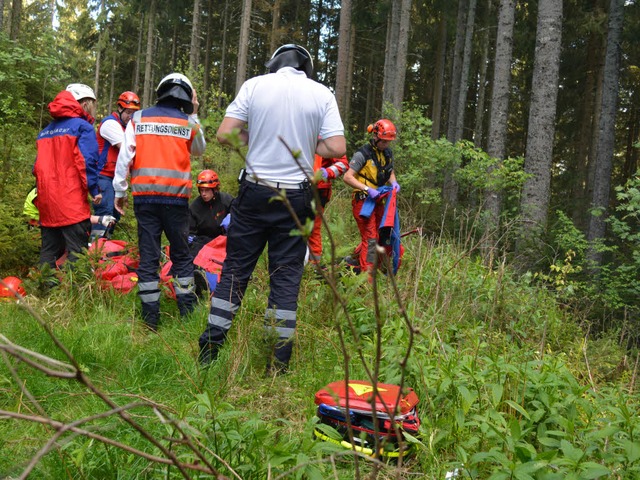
285 104
111 130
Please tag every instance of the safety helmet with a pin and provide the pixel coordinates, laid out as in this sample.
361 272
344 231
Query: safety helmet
80 91
179 87
10 286
383 129
291 55
208 179
129 100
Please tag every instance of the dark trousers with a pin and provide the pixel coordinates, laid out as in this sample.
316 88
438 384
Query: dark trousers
257 221
154 219
56 240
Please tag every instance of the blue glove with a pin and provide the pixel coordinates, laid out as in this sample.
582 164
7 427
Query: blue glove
191 238
323 172
226 221
373 193
395 186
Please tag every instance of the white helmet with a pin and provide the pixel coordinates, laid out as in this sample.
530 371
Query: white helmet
80 91
179 87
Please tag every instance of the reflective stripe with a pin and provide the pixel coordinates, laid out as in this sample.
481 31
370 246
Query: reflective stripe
161 172
148 292
277 314
282 321
154 187
284 332
149 297
184 285
143 286
221 313
220 304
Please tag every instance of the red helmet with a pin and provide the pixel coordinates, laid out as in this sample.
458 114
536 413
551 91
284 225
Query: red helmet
383 129
10 286
208 179
129 100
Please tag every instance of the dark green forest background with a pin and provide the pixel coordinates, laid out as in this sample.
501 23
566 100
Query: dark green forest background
558 200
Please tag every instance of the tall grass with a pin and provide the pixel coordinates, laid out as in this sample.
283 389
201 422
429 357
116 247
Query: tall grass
509 386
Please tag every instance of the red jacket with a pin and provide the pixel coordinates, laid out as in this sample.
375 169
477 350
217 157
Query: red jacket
335 167
66 164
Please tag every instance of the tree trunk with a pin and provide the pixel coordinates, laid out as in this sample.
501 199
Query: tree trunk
478 128
112 85
223 60
606 129
243 45
16 19
542 114
102 29
275 26
584 153
439 77
390 57
464 72
148 61
135 81
342 68
400 69
352 49
499 113
456 71
1 15
194 50
206 81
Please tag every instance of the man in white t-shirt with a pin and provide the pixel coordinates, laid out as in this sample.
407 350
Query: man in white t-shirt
284 109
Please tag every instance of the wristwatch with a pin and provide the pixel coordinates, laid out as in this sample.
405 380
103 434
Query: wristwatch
366 188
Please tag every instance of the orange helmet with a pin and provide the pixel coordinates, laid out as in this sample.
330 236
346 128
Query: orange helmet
208 179
129 100
10 286
383 129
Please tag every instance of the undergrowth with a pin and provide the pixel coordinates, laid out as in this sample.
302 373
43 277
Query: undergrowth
509 384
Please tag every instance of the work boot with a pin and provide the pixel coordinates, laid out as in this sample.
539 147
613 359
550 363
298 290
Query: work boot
151 315
186 303
279 364
208 354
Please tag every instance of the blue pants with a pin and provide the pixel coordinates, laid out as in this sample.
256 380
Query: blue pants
106 206
256 222
154 219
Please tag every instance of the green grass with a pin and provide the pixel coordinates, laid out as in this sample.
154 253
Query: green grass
507 384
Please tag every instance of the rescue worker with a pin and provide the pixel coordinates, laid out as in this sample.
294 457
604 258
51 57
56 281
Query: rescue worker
330 168
208 212
66 174
110 138
284 103
370 168
29 209
157 148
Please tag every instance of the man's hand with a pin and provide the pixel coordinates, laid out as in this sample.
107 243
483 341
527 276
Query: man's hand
97 199
106 220
121 204
395 186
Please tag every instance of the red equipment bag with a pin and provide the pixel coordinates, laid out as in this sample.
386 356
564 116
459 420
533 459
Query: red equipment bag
395 412
117 262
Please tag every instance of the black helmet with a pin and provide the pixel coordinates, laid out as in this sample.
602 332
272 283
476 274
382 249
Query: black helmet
291 55
177 86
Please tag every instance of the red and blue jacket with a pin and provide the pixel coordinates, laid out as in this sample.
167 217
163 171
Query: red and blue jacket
66 166
108 153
